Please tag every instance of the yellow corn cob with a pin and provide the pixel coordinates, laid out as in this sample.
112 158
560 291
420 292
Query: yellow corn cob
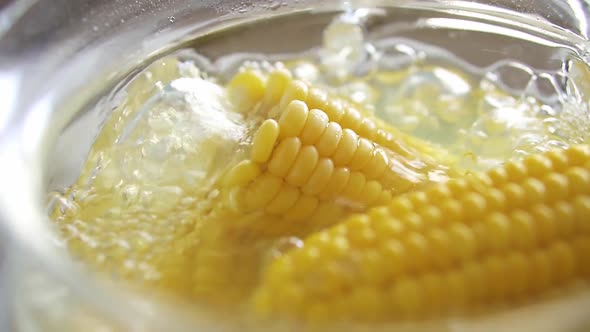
506 235
312 159
309 151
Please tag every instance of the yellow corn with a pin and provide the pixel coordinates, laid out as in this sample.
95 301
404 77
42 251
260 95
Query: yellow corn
313 158
506 235
319 148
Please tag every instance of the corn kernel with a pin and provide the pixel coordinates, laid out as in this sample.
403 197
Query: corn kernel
296 90
315 126
284 156
302 168
242 174
293 119
319 177
351 119
346 148
264 141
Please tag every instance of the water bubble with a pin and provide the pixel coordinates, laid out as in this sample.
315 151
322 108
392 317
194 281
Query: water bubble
510 76
274 5
409 102
280 247
306 71
394 54
546 88
165 198
343 46
172 19
178 135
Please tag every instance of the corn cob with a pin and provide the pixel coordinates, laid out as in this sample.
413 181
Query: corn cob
506 235
309 149
312 159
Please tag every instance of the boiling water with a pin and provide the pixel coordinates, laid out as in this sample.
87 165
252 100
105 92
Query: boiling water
482 95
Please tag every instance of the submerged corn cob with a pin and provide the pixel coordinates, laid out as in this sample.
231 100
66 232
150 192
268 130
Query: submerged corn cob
312 159
313 155
506 235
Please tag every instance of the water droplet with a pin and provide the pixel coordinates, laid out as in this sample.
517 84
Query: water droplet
242 10
171 19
